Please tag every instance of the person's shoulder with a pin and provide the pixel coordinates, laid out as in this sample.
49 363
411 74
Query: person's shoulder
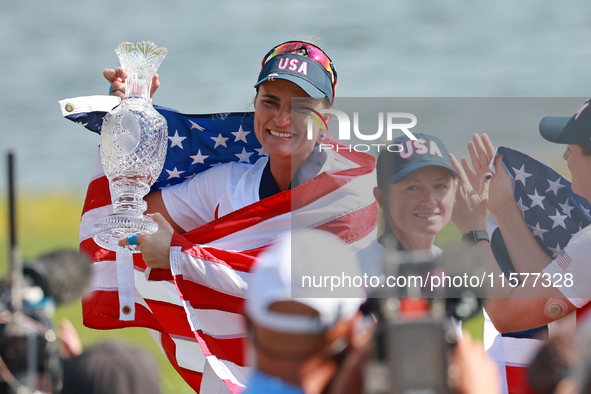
230 167
436 251
374 247
371 258
584 232
232 170
581 239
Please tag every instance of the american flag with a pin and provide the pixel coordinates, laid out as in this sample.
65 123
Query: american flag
196 142
554 214
564 260
194 310
550 208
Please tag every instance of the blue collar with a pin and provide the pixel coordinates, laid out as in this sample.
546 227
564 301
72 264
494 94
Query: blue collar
309 169
261 383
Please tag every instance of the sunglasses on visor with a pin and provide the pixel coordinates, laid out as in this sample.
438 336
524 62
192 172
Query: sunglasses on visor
304 49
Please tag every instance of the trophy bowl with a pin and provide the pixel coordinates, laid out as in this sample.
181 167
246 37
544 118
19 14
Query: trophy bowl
133 149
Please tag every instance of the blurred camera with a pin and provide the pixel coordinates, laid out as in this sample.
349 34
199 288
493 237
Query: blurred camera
28 344
29 354
420 309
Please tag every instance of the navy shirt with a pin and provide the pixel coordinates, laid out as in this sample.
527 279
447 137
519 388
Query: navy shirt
309 169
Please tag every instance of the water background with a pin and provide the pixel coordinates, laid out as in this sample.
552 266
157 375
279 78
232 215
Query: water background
52 50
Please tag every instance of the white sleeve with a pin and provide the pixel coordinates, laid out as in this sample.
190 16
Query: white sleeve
573 260
193 202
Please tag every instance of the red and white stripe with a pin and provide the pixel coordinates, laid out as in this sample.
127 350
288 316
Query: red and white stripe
194 310
513 355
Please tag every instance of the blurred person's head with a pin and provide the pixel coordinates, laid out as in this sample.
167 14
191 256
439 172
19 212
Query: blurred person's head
416 189
111 368
301 340
552 364
581 371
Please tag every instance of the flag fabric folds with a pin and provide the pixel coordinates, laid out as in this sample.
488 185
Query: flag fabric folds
554 213
196 142
194 310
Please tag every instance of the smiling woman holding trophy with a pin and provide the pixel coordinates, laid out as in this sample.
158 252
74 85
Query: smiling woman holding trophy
191 288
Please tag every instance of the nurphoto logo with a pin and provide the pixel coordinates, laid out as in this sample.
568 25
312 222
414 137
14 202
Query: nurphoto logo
395 121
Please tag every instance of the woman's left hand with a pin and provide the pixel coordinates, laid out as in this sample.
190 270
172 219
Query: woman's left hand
472 195
482 153
155 247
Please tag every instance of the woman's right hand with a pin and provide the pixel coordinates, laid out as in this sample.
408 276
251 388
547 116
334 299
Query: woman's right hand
117 78
155 247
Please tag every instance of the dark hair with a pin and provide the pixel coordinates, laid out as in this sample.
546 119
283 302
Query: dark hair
585 149
325 100
111 368
552 364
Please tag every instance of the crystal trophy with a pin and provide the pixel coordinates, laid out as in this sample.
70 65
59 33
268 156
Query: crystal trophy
134 140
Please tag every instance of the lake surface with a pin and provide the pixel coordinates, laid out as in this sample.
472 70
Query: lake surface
54 50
